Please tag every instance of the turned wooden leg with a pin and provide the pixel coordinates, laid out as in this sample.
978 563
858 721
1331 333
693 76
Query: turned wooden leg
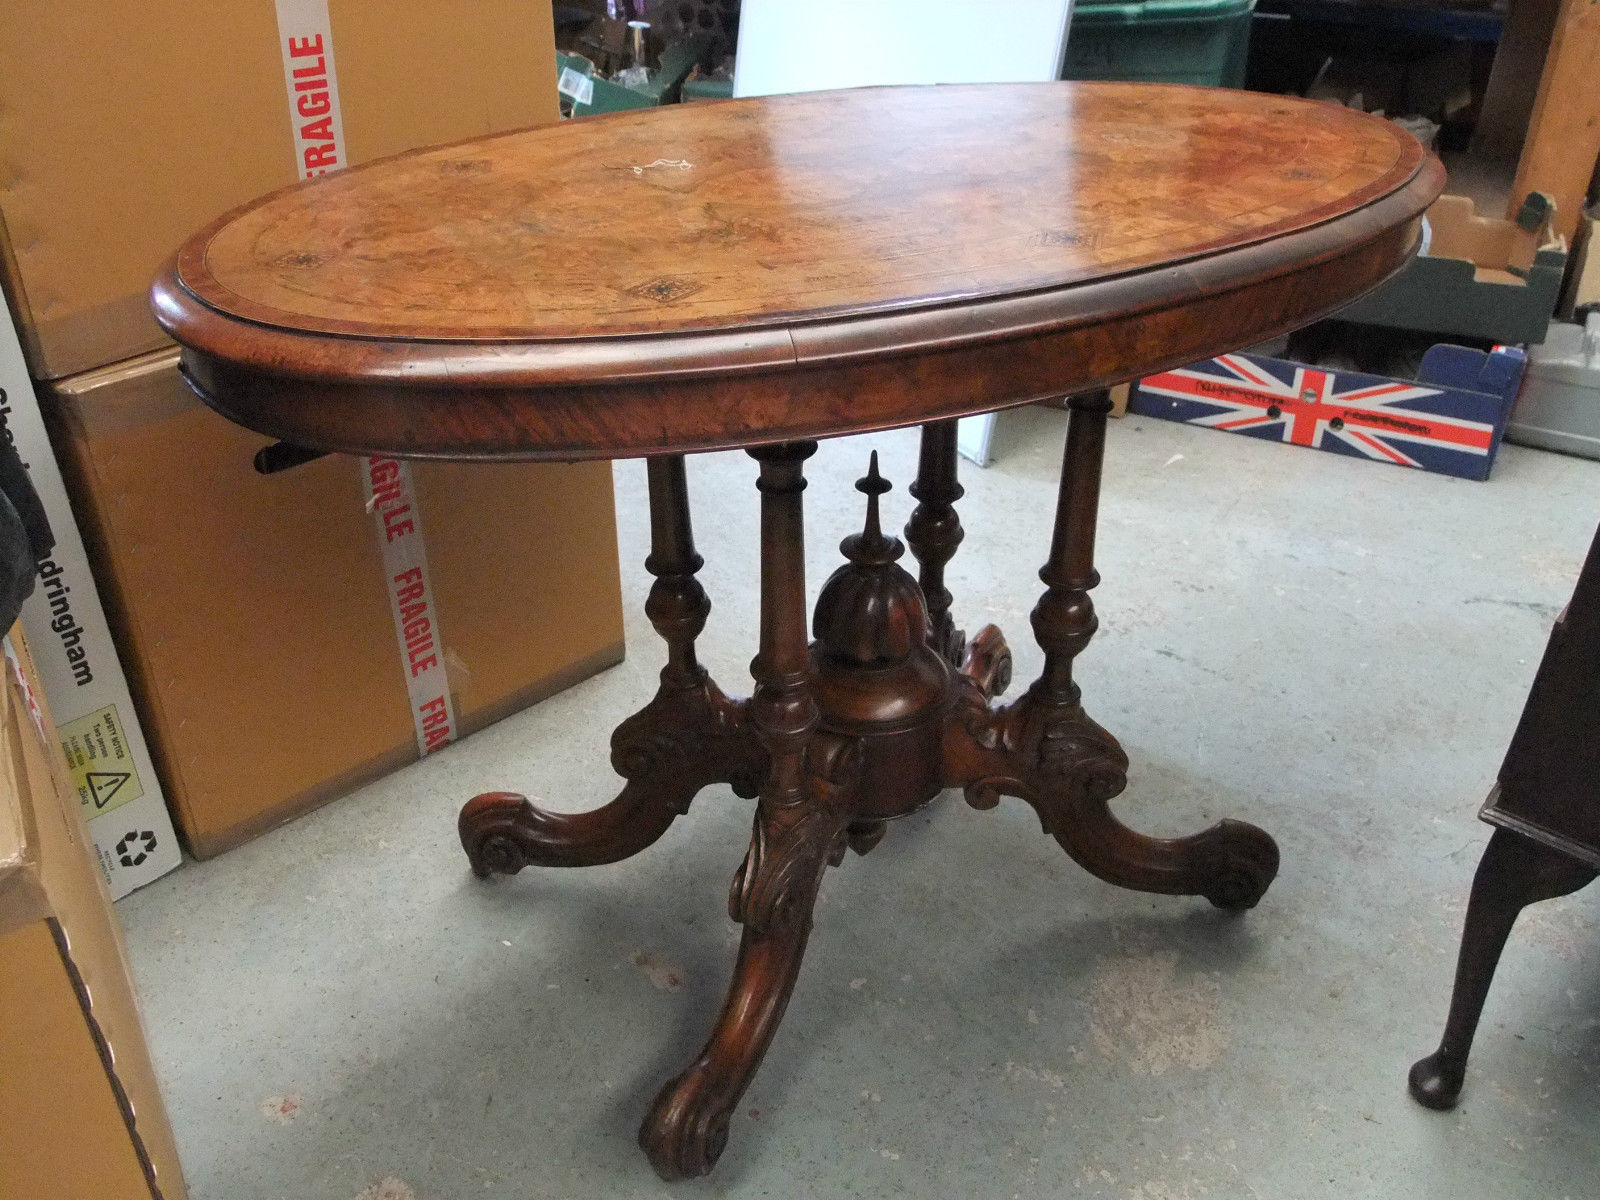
689 736
1515 871
800 826
934 534
1047 750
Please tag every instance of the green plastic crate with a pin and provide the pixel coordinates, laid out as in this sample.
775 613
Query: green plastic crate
1161 41
707 89
587 93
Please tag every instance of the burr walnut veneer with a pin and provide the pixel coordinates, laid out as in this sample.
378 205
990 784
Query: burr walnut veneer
764 273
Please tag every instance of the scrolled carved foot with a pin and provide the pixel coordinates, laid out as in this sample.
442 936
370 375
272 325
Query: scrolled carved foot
1237 864
686 1129
683 740
502 832
987 661
1435 1082
1231 864
1052 755
687 1126
489 825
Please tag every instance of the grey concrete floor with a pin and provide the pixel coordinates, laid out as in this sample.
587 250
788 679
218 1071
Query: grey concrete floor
1333 649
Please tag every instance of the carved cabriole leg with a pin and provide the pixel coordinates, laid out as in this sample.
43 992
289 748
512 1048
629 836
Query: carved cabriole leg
689 736
1515 871
934 534
1046 749
800 826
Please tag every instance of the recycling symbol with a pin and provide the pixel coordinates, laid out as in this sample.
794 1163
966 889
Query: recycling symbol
136 846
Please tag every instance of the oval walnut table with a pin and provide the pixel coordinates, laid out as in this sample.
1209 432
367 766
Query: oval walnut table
761 274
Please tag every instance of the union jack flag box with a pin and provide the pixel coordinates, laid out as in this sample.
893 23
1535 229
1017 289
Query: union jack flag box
1449 420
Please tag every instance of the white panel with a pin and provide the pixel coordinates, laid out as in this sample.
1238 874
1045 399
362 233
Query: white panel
973 437
808 45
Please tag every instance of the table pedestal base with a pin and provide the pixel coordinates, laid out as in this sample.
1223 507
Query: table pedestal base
888 706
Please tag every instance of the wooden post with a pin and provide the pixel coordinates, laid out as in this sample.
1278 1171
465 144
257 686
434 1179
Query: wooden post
1563 142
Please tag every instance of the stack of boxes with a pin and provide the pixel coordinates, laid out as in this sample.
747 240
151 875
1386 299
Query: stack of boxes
81 1115
252 612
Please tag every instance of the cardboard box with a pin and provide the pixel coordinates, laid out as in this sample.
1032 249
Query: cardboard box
125 126
1450 419
1478 277
82 672
254 612
80 1112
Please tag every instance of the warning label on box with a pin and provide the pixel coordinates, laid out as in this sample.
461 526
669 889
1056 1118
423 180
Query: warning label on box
102 768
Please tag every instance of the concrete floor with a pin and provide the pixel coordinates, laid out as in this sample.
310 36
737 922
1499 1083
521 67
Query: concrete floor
1333 649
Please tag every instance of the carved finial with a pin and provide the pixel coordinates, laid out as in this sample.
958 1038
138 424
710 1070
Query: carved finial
871 611
870 546
873 486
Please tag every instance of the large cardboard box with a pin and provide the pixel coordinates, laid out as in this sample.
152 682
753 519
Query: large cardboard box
80 1112
80 667
125 125
256 615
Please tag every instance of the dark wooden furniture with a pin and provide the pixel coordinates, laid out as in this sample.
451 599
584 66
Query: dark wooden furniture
1546 810
764 273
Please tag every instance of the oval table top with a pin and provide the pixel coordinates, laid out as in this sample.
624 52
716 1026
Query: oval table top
711 275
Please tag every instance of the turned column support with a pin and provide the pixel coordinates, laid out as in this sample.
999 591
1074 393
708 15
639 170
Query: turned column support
1064 620
677 605
783 712
934 533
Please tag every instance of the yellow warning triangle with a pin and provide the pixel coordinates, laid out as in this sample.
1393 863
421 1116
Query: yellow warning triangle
104 784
